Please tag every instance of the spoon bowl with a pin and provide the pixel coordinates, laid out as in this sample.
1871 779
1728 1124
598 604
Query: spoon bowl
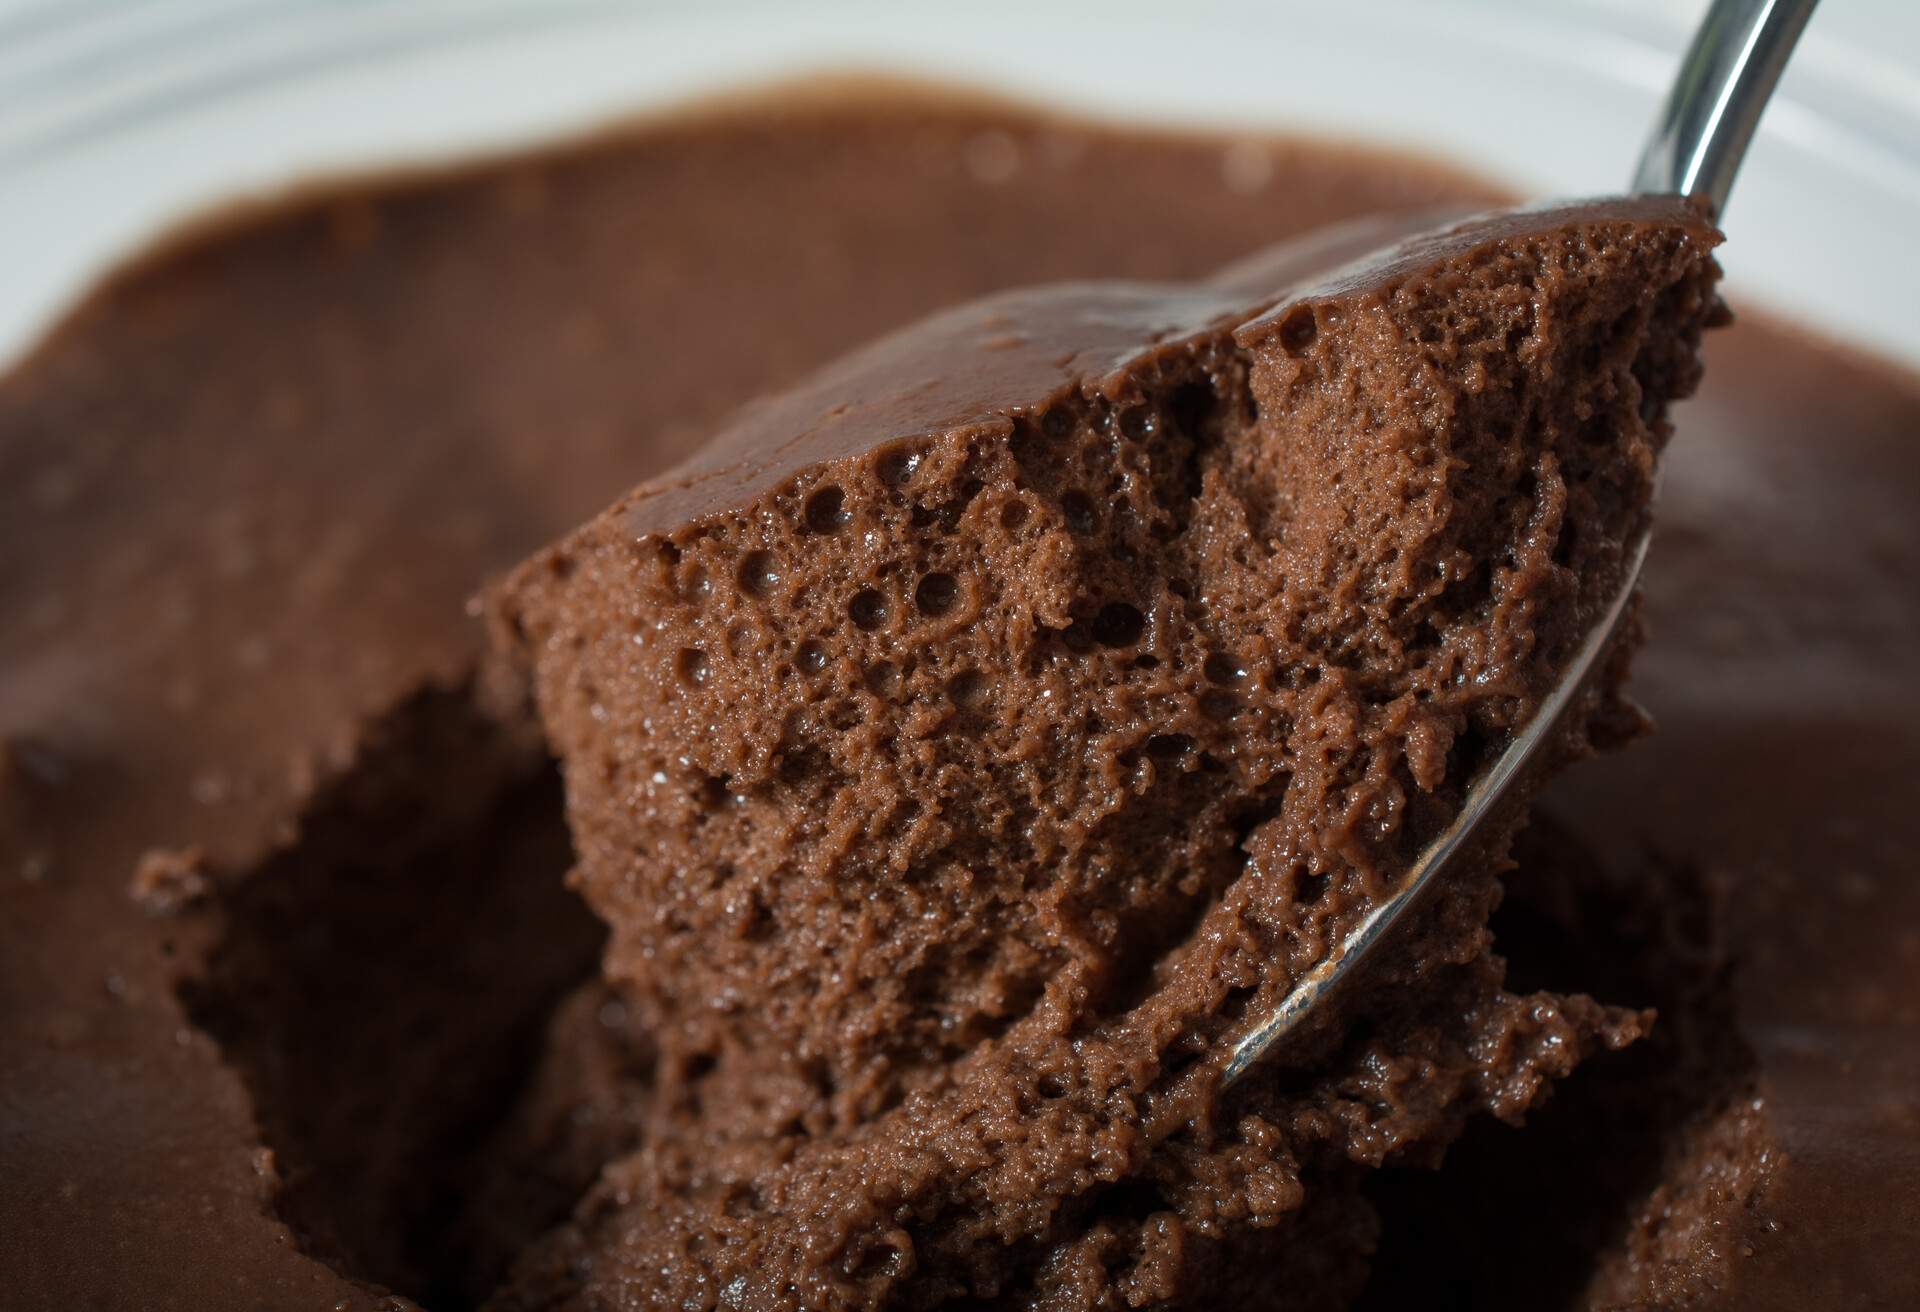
1698 141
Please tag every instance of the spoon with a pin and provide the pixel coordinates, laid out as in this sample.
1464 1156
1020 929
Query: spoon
1698 141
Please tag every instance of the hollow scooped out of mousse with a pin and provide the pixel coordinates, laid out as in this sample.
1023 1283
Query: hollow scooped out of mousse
966 740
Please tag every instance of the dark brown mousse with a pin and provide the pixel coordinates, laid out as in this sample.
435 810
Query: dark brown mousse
226 592
968 740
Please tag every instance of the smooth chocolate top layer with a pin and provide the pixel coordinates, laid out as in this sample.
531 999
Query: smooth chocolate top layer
1012 353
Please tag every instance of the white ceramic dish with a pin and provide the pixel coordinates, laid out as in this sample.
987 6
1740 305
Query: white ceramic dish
121 118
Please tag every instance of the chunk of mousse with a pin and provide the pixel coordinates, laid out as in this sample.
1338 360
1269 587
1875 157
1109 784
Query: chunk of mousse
967 742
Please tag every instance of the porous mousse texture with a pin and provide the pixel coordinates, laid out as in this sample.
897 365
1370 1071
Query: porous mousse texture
965 745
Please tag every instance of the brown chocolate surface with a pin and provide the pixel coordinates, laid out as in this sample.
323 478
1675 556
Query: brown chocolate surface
244 493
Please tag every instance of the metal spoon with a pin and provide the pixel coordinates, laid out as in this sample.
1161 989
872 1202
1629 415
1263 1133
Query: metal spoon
1697 144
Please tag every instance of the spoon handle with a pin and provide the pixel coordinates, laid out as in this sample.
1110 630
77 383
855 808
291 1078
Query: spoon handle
1723 84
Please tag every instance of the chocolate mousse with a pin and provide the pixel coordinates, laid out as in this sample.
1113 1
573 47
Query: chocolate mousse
298 1009
965 743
